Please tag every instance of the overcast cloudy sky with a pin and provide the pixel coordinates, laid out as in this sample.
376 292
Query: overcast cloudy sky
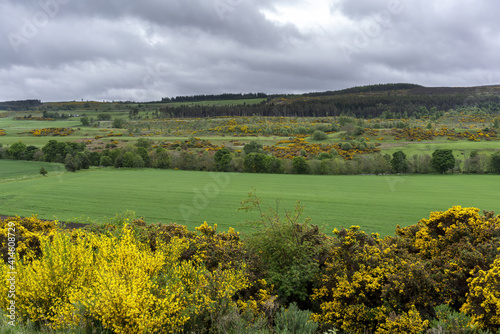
57 50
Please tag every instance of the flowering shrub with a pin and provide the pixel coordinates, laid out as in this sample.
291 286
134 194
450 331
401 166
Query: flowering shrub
119 282
132 277
46 284
483 299
51 131
368 284
34 118
27 231
453 244
393 284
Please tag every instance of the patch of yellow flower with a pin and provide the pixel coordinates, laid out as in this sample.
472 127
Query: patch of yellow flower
118 281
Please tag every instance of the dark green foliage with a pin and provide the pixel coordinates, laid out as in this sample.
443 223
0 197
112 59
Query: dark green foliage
215 97
496 123
319 135
289 252
301 130
414 102
20 105
253 146
119 123
82 161
105 161
143 142
131 159
343 120
399 163
495 163
161 159
85 121
17 150
442 160
222 160
30 152
94 157
114 154
476 164
299 165
324 155
255 163
346 146
55 151
43 171
104 117
70 164
144 155
274 165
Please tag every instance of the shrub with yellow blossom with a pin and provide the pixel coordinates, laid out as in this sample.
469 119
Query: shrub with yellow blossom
26 233
119 282
453 244
483 299
46 283
369 284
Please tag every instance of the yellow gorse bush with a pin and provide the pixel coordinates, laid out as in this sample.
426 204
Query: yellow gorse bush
142 278
118 281
26 230
408 322
45 284
483 299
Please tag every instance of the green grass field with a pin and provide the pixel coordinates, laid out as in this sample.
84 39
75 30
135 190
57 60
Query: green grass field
376 203
11 170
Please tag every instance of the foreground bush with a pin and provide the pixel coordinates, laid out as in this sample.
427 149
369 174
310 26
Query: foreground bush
26 233
440 275
117 282
483 300
379 285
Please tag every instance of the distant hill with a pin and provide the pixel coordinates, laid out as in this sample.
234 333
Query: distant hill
367 89
386 100
392 100
20 105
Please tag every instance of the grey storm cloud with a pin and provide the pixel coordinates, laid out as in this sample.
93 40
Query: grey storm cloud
145 50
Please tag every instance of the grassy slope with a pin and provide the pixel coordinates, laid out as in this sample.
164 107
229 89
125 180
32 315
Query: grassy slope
376 203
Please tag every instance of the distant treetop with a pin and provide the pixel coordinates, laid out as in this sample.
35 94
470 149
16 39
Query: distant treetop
20 105
368 88
213 97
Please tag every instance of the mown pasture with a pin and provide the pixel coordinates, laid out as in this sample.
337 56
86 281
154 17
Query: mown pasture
376 203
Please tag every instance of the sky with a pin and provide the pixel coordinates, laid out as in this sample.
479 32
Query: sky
131 50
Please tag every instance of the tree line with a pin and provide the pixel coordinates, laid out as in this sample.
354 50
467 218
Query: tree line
253 159
213 97
371 106
20 105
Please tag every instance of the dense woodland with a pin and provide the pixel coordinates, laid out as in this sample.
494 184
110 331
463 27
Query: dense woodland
212 97
20 105
385 100
364 102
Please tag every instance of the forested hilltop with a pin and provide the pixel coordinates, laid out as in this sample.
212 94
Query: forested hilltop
393 100
388 100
